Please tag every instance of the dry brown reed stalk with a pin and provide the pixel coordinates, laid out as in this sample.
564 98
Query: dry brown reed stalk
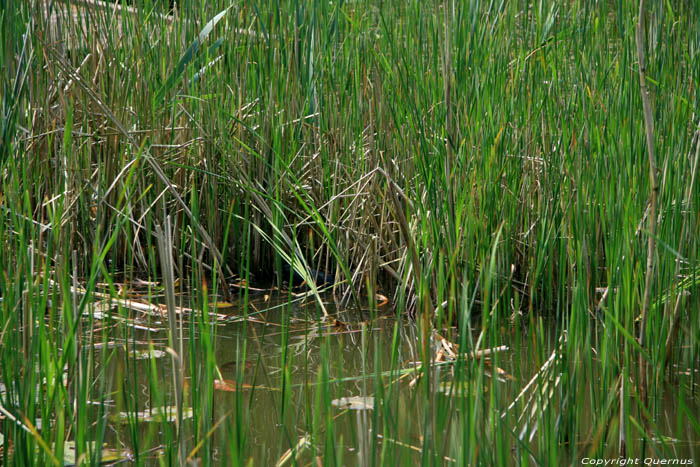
65 18
155 167
78 11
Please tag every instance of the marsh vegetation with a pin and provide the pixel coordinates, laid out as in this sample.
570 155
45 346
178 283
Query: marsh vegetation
349 232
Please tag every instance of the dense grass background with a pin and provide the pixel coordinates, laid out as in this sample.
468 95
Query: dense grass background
481 163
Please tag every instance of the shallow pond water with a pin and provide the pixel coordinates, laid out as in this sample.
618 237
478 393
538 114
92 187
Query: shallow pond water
294 389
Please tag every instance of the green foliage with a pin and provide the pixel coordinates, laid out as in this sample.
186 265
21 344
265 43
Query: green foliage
480 163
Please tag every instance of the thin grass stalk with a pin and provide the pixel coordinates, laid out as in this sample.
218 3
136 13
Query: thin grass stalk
676 313
449 124
160 174
653 201
515 69
164 237
622 431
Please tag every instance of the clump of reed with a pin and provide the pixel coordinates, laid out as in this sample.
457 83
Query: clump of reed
481 163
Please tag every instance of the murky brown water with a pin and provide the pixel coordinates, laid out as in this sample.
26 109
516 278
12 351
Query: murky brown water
282 392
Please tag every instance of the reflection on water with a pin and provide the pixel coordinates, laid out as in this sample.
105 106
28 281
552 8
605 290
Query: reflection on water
295 388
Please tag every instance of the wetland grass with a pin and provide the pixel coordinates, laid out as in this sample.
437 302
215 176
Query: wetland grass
482 165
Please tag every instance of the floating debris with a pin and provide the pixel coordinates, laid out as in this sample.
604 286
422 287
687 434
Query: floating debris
354 403
138 354
108 455
293 454
159 414
228 385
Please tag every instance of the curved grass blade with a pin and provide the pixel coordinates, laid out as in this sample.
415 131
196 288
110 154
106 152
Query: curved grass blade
189 55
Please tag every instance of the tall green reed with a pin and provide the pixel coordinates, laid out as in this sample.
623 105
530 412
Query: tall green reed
301 132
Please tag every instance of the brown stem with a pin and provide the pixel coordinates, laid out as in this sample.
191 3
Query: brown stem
160 174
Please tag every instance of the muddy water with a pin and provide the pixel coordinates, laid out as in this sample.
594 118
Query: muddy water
282 368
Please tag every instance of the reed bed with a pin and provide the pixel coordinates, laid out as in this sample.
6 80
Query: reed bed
481 164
